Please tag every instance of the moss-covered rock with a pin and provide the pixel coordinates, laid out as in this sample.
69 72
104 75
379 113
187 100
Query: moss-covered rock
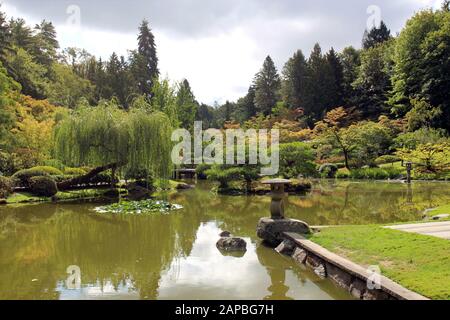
43 186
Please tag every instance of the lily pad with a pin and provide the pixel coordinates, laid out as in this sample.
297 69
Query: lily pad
139 207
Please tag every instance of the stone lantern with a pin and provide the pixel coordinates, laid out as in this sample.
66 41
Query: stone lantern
277 194
272 229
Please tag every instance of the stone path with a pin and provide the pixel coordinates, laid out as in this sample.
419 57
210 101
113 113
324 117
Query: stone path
436 229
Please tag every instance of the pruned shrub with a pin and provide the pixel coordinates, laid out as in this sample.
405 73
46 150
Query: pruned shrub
51 171
328 170
43 186
376 173
22 177
387 159
296 158
74 171
6 187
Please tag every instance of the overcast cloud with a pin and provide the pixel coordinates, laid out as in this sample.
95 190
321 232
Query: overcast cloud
218 45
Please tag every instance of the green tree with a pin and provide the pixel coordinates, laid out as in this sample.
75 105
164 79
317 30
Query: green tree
67 88
376 36
373 83
421 65
337 79
296 158
7 118
267 85
46 43
118 79
144 61
187 106
350 58
22 35
5 38
245 106
295 75
109 138
31 75
320 91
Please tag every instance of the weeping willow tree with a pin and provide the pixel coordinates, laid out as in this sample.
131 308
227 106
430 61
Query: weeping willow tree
106 137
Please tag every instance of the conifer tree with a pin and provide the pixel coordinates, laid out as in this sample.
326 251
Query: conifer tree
145 60
267 86
376 36
295 76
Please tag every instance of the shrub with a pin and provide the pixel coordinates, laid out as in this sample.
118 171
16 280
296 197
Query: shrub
223 175
6 187
43 186
328 170
386 159
22 177
376 173
201 169
74 171
55 163
296 158
49 170
343 174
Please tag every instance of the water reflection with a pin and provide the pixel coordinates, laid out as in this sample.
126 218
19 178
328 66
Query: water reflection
174 256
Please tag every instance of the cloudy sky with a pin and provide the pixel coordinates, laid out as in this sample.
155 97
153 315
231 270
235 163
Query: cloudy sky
218 45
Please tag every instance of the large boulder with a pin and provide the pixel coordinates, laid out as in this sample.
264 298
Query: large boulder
272 230
231 244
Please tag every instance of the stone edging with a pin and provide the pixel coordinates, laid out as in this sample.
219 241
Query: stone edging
343 272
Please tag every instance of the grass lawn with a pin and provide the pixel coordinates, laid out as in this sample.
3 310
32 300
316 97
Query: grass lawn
441 210
419 263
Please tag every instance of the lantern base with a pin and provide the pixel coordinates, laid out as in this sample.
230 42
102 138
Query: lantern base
271 230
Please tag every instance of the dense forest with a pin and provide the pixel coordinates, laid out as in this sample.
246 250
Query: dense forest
386 101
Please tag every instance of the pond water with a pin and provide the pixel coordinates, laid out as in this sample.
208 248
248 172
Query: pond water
174 256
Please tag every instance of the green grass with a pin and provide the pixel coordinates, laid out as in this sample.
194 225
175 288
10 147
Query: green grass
419 263
25 197
441 210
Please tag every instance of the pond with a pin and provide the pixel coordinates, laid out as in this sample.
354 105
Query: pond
174 256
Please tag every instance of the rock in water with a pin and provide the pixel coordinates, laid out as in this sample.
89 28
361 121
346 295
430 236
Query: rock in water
231 244
271 231
225 234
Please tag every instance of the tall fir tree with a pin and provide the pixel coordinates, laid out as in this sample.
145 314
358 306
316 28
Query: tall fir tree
22 35
376 36
350 58
46 43
145 60
186 104
295 77
320 91
337 79
267 85
5 38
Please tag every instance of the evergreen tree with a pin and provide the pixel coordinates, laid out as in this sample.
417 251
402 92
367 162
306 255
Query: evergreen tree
5 38
376 36
22 35
295 77
337 75
46 43
320 91
373 82
267 85
118 79
350 58
186 104
245 107
144 60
